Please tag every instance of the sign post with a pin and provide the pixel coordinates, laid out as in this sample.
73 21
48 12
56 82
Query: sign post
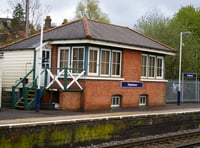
189 76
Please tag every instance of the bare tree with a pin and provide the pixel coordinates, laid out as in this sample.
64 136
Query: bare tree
35 10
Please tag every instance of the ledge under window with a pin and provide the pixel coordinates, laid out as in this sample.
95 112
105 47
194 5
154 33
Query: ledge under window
153 80
103 78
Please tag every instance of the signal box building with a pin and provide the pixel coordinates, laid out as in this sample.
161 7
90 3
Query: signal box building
86 65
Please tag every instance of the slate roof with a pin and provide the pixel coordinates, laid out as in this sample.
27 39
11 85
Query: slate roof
93 30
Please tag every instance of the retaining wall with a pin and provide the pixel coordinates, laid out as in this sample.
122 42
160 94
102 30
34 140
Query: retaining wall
82 132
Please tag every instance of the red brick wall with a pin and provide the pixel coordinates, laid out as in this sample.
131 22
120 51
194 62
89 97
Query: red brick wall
131 64
70 100
98 93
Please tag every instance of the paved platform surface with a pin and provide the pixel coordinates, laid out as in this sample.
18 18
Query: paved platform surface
11 117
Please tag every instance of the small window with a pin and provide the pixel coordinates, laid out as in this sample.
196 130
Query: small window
116 100
143 100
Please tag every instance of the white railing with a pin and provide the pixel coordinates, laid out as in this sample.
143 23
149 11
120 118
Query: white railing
56 78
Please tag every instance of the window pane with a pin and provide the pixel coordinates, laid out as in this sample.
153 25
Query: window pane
105 62
159 67
64 58
78 55
115 102
142 100
144 65
116 61
151 66
93 59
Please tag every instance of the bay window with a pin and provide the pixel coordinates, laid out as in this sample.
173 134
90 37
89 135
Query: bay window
97 61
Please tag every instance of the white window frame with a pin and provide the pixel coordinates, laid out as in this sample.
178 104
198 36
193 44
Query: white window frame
155 76
59 52
46 64
72 57
97 66
142 100
116 101
108 64
154 67
162 67
146 66
120 62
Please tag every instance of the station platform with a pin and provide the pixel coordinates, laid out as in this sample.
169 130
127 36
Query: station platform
12 117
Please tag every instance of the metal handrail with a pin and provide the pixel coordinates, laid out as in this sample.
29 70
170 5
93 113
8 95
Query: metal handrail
22 81
33 84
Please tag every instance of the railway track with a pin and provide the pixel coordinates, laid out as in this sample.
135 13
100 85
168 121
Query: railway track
171 140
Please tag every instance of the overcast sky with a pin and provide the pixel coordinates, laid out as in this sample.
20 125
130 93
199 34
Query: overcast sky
120 12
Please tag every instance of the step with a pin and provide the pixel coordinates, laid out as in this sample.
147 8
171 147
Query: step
31 95
20 107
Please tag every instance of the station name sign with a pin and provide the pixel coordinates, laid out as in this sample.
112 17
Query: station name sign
131 84
190 75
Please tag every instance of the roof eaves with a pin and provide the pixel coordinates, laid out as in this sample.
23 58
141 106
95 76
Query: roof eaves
172 49
17 41
34 35
17 49
136 45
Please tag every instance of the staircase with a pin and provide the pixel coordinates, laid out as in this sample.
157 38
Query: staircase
27 101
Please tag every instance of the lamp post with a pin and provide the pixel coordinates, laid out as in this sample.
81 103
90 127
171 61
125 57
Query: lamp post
180 60
38 91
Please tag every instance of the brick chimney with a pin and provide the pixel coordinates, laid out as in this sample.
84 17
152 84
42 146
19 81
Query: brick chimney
47 24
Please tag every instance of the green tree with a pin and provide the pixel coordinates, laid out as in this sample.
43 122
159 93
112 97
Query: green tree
188 19
18 16
90 9
168 31
153 25
156 26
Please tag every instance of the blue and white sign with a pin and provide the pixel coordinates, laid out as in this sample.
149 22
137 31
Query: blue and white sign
190 75
132 84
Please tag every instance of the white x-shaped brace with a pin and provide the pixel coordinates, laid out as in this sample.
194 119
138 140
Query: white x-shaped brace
56 79
75 79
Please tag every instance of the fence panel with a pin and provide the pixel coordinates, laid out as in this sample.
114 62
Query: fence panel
189 91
